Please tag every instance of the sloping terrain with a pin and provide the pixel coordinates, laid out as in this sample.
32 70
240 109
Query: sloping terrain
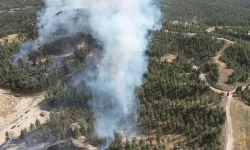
13 112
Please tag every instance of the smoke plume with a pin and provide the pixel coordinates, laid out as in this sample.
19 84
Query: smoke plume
122 28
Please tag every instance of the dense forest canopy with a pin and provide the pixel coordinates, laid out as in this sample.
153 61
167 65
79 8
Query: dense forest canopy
10 4
212 12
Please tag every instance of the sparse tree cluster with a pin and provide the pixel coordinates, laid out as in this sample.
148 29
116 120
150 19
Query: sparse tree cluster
237 58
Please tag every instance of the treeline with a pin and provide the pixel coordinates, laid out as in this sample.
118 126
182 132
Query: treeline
28 79
8 4
178 26
199 47
213 71
78 95
10 75
237 57
23 22
174 99
64 123
243 93
235 32
213 12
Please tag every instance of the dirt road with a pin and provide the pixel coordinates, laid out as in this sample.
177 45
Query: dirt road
224 74
229 129
218 55
222 67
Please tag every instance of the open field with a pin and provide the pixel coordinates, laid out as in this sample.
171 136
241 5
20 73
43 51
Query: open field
12 112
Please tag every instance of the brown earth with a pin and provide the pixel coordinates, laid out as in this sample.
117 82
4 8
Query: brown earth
223 70
9 39
12 112
169 58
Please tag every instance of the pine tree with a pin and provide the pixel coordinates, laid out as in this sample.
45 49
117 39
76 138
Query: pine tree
37 123
128 145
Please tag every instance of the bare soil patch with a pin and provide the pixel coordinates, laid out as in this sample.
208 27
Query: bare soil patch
10 39
12 112
169 58
224 71
210 29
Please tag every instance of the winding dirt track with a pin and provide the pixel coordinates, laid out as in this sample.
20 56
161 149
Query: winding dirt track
222 66
223 78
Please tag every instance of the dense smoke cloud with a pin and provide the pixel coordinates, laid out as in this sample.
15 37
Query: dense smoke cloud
122 27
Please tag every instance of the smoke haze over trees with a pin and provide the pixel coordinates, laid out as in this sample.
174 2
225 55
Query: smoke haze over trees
110 68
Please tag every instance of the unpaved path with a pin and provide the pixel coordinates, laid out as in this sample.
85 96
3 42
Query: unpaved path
12 112
224 74
218 55
229 130
223 70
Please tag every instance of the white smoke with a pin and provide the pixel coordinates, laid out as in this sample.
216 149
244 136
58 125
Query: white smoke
122 28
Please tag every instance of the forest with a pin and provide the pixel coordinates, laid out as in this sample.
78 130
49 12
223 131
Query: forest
173 99
234 32
19 22
212 12
237 58
170 90
9 4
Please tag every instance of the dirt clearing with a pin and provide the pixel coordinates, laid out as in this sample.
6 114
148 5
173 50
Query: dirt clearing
229 129
10 39
169 58
14 115
223 70
210 29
